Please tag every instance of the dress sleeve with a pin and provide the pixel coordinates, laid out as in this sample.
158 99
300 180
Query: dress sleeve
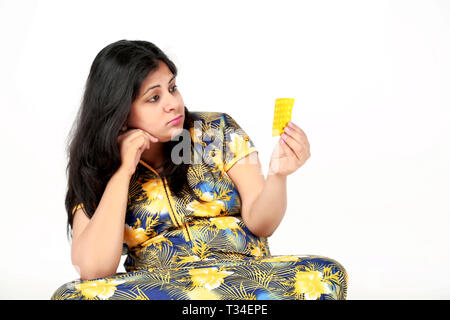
236 143
125 249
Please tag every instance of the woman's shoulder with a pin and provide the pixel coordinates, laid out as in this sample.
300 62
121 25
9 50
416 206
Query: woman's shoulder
207 116
207 120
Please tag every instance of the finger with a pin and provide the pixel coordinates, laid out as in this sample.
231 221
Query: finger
287 149
121 137
296 135
134 136
148 144
301 139
144 143
139 142
147 140
148 135
151 137
294 127
293 144
131 133
291 127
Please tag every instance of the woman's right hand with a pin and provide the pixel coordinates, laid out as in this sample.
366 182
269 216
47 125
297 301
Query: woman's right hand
132 143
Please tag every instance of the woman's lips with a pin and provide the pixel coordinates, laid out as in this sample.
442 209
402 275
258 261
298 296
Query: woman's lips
176 120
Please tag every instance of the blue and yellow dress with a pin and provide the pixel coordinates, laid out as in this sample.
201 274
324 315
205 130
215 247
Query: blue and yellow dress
180 248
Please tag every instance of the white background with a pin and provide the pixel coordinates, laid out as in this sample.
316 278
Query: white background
371 86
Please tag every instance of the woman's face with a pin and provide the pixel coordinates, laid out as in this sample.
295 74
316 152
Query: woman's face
158 102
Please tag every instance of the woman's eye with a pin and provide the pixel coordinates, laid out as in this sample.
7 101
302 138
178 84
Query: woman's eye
174 88
151 100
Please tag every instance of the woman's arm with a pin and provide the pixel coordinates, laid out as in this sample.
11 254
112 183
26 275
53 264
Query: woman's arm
269 208
263 201
97 242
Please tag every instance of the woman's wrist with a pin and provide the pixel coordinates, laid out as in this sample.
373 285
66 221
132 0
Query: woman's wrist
275 176
123 172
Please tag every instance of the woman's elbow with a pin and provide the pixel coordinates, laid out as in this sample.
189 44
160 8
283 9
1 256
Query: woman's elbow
261 232
93 272
89 270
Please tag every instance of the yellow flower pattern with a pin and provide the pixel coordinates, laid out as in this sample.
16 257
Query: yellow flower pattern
212 208
209 278
181 248
311 284
100 289
134 235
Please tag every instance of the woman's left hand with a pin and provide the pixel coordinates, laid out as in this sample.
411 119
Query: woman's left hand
287 157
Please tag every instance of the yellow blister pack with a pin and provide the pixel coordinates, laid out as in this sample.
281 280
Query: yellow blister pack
282 115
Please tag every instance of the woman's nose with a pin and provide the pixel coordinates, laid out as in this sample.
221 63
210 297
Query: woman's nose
169 107
171 103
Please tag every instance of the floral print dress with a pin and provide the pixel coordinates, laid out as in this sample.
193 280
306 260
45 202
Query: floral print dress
180 248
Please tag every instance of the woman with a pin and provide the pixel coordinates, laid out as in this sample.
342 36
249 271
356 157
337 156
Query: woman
192 216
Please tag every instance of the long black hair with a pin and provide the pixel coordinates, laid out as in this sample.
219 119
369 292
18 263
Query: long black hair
113 83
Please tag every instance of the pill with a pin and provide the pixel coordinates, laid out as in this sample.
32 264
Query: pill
282 115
